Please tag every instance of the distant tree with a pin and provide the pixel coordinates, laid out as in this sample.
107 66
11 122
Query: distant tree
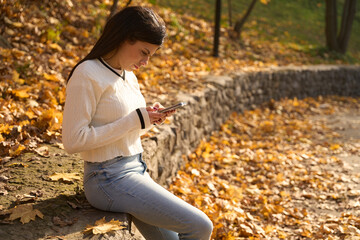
236 32
334 41
230 13
240 22
217 28
113 8
238 25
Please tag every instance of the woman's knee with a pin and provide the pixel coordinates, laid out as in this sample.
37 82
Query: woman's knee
203 227
206 226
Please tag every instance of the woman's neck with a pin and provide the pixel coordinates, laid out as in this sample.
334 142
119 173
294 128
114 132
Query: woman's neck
111 60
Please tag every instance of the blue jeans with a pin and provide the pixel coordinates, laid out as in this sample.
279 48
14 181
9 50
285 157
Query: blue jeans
123 185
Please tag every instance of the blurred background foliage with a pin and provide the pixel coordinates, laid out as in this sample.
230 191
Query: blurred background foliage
300 21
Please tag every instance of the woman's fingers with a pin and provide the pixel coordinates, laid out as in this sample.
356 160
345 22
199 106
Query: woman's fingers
150 109
169 113
156 117
158 106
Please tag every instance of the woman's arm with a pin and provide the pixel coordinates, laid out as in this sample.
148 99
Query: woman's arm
78 135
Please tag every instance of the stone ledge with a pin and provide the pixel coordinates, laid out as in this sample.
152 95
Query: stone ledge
90 216
78 220
208 109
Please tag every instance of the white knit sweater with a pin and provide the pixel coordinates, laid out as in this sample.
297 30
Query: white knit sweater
100 119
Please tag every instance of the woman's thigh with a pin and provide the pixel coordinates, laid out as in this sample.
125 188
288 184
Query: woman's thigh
137 194
149 202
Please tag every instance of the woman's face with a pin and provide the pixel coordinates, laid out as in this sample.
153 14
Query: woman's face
132 55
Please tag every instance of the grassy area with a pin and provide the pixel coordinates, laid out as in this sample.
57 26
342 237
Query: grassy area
299 22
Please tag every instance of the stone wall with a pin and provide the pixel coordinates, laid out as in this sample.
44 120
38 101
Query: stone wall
208 109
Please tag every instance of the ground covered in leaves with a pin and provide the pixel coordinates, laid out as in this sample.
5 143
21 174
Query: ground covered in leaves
42 41
279 171
286 170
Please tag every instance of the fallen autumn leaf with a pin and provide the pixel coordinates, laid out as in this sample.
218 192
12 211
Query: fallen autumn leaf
26 213
102 227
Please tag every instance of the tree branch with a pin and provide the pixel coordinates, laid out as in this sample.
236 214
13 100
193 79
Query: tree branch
113 8
239 23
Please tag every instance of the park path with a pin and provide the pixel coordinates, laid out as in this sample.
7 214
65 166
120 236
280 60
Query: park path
347 124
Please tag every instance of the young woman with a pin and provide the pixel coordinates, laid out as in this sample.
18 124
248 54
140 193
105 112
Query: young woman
104 116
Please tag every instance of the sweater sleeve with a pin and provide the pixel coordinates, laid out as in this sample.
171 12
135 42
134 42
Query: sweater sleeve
78 135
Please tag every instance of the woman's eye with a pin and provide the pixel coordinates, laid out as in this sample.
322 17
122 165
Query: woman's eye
144 53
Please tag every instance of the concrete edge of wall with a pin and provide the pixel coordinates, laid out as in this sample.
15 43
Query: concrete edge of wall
210 108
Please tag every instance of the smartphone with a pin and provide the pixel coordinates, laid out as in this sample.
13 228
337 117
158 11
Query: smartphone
173 107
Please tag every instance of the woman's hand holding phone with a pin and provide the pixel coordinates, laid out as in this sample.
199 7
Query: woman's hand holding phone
158 113
155 116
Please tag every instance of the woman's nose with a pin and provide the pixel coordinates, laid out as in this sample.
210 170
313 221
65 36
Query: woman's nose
144 61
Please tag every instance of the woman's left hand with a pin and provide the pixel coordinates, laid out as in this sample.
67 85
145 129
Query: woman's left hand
157 106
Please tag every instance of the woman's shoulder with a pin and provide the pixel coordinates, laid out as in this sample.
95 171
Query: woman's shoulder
93 71
88 67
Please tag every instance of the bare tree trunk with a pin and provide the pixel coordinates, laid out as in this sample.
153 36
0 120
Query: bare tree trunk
128 3
333 42
331 25
217 28
348 17
239 23
113 8
230 13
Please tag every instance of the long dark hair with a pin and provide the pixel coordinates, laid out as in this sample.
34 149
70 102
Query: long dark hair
131 23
